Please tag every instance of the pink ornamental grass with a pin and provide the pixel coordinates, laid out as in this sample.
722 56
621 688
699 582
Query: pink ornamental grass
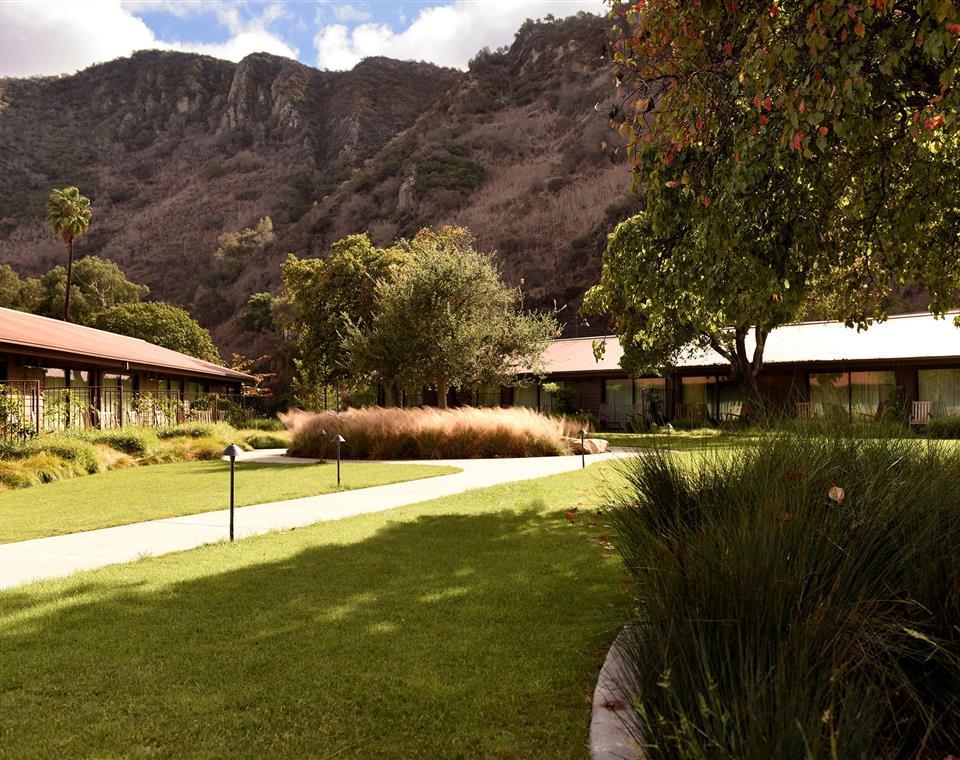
427 433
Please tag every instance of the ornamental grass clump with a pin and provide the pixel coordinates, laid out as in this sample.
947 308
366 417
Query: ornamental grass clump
424 433
799 599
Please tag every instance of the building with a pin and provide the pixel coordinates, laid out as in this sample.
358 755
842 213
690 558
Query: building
907 367
57 375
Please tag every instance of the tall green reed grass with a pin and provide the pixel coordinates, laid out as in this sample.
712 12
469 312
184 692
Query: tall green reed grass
795 599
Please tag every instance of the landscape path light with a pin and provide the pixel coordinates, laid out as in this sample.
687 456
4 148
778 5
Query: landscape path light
583 447
338 439
231 451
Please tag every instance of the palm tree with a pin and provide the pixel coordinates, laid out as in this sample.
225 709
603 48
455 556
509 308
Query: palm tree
69 215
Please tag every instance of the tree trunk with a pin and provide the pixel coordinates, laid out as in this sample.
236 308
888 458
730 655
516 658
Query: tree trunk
397 396
442 393
746 368
66 298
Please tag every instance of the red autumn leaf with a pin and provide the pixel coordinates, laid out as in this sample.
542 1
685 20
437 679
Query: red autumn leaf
774 10
763 119
797 141
729 49
954 29
933 123
823 131
706 201
852 10
767 103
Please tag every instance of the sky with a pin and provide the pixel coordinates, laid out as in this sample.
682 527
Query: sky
43 37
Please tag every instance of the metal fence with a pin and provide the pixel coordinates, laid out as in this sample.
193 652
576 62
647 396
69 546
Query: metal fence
26 409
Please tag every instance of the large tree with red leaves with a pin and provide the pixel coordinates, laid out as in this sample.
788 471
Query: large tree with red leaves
795 157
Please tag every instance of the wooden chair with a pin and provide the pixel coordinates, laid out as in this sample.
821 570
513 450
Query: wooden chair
203 415
805 410
733 413
921 413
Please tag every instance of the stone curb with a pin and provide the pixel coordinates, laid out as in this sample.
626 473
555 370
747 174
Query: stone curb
610 738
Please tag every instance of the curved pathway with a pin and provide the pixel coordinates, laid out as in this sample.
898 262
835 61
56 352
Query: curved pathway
58 556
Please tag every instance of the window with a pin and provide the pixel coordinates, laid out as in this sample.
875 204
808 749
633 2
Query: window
830 396
525 394
618 395
870 392
696 393
842 395
942 387
650 398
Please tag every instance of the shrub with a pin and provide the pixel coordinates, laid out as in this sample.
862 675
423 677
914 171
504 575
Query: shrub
943 427
49 468
129 440
266 440
466 432
272 424
796 599
71 448
14 475
193 430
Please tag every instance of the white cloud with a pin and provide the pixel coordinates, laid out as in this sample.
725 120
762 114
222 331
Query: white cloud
62 37
448 35
349 12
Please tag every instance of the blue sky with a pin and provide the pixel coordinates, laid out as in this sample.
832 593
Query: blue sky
62 36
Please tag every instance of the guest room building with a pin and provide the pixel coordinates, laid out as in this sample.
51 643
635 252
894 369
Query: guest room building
907 367
57 375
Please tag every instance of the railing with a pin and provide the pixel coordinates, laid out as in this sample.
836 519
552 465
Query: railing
26 409
20 404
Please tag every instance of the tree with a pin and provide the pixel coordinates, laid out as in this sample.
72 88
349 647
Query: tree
446 320
322 297
97 285
17 293
68 213
161 324
259 314
794 159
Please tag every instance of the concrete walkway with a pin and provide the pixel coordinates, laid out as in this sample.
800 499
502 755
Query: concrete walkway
58 556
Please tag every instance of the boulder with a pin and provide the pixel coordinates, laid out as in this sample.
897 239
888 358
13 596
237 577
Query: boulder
590 445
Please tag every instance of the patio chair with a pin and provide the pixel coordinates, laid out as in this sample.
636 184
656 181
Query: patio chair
805 410
921 413
604 414
734 412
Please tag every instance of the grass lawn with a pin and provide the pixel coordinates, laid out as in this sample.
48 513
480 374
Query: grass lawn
682 440
167 490
470 626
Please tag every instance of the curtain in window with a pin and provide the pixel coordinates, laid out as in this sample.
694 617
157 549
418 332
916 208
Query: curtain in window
942 387
619 397
829 395
869 391
697 395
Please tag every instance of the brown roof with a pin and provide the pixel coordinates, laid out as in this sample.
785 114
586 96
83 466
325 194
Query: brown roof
907 336
28 333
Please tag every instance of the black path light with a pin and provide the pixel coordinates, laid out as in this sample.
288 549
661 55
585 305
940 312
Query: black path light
583 447
231 451
338 439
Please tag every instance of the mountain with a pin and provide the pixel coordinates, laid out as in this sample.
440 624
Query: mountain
180 152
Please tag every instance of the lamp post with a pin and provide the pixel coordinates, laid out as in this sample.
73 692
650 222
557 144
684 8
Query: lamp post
583 447
323 445
338 439
231 451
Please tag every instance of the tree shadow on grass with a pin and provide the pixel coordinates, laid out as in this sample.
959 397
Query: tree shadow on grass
447 636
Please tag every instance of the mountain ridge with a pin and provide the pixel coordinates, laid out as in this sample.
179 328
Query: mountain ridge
180 151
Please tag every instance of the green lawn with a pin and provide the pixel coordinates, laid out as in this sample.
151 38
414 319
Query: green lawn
471 626
682 440
167 490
